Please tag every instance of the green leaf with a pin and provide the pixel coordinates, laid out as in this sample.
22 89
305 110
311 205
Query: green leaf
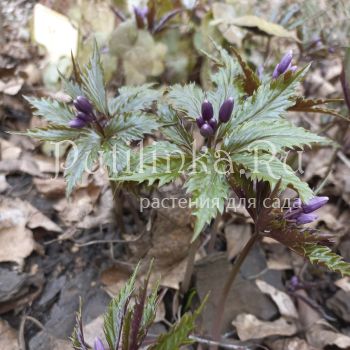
133 98
54 133
131 127
161 162
173 128
267 167
270 101
208 185
116 155
272 137
72 88
81 157
115 315
225 80
178 335
322 255
52 110
187 99
93 82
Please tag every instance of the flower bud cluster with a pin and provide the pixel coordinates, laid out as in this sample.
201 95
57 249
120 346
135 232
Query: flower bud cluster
85 114
207 122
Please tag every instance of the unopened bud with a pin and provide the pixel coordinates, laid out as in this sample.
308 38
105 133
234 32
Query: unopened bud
206 130
226 110
207 110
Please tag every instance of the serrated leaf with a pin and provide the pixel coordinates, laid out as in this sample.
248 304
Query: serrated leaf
271 100
72 88
131 127
116 155
272 137
187 99
267 167
225 80
114 317
209 188
133 98
162 161
178 335
163 170
54 133
324 256
173 128
81 157
93 82
53 111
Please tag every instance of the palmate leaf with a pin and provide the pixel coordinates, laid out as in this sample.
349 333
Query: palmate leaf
131 127
267 167
93 82
270 136
209 188
53 111
81 157
133 98
322 255
114 317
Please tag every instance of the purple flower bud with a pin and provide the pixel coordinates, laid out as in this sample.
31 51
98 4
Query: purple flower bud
98 345
294 282
314 204
77 123
226 110
87 118
82 104
305 218
275 73
207 110
200 122
213 123
285 62
206 130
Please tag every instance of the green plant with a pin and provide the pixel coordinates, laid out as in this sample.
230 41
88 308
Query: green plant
243 152
129 317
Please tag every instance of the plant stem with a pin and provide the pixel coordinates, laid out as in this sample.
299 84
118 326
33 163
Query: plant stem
213 233
185 285
118 205
219 316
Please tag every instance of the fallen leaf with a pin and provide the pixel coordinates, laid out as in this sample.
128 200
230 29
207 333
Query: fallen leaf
237 237
289 344
8 150
322 334
249 327
8 337
16 240
343 283
51 188
283 301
